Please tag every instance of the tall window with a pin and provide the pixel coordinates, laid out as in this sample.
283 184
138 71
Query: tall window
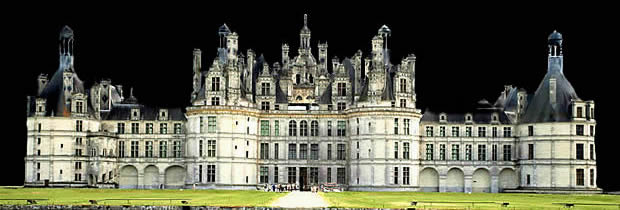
264 174
163 128
314 152
121 149
342 128
468 155
342 106
507 152
78 126
507 132
530 151
342 89
442 131
177 128
406 121
314 128
468 131
264 105
494 132
276 151
429 131
215 84
212 124
210 148
78 107
303 128
292 175
292 151
314 175
264 150
580 130
264 88
177 149
120 128
329 151
455 152
395 125
482 132
276 128
494 152
341 152
264 127
455 131
592 152
329 128
406 150
149 128
579 154
210 173
429 151
202 125
135 128
580 112
403 103
148 149
395 150
275 174
395 175
482 152
580 178
403 85
591 130
592 177
303 151
530 130
340 173
329 175
292 128
442 152
406 175
134 148
163 149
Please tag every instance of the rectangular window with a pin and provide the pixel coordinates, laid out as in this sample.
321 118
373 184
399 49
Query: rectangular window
265 87
78 106
494 152
592 152
482 152
303 151
494 132
340 173
395 150
200 148
406 121
507 152
314 152
507 132
579 130
276 151
342 89
468 131
579 154
580 179
396 126
149 128
403 103
329 175
591 130
163 149
482 132
341 152
314 175
342 106
429 131
455 152
202 125
314 128
78 126
455 131
177 128
292 151
580 112
264 127
292 128
530 130
442 131
429 151
200 173
264 151
163 128
442 152
264 105
329 151
135 128
406 175
276 128
528 181
403 85
468 155
215 84
211 145
395 175
342 128
121 149
292 175
329 128
78 165
530 151
134 148
148 149
592 177
120 129
406 150
264 174
212 124
275 175
303 128
210 173
177 149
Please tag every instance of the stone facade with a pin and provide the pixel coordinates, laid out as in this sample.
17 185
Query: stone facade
353 123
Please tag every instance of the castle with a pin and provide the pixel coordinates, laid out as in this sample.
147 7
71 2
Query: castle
353 123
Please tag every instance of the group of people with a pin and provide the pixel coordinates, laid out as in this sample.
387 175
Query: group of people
287 188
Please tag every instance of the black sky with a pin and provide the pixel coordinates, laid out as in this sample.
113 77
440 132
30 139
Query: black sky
464 52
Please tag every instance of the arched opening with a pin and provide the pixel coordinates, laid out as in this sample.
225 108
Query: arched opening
481 181
297 79
508 179
455 180
151 177
175 177
128 177
429 180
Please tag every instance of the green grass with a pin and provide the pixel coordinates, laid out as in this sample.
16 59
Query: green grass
71 196
517 201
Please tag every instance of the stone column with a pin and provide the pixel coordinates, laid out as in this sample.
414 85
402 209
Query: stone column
443 182
494 184
468 183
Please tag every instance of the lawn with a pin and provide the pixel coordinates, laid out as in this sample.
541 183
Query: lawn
517 201
73 196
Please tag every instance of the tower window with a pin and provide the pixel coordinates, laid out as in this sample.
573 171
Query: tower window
215 84
342 89
403 85
265 88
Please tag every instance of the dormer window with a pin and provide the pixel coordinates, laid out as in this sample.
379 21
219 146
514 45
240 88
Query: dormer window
580 112
442 117
495 118
135 114
265 86
215 84
468 118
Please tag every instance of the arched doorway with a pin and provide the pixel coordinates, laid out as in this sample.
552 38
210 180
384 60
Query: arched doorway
429 180
508 179
481 181
455 180
151 177
128 177
175 177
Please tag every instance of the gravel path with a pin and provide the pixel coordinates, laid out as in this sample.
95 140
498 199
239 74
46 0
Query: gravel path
301 200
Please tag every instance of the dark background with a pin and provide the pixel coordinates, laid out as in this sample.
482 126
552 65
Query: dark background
464 52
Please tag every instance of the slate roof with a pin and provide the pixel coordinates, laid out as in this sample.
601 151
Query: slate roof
123 112
481 116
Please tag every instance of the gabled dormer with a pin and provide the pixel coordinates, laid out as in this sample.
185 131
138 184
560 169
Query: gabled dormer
469 118
135 114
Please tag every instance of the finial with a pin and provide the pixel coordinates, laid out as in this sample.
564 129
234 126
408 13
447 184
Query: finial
131 92
305 19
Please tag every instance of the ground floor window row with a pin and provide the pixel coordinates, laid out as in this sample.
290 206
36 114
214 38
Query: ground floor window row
303 176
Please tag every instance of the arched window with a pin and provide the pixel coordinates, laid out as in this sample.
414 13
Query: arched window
303 128
292 128
297 79
314 128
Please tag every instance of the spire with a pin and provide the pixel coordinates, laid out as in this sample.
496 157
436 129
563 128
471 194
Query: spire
304 35
305 20
555 61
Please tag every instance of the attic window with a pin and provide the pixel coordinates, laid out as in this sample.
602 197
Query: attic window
135 114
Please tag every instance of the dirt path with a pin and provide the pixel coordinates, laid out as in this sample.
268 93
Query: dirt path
301 200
